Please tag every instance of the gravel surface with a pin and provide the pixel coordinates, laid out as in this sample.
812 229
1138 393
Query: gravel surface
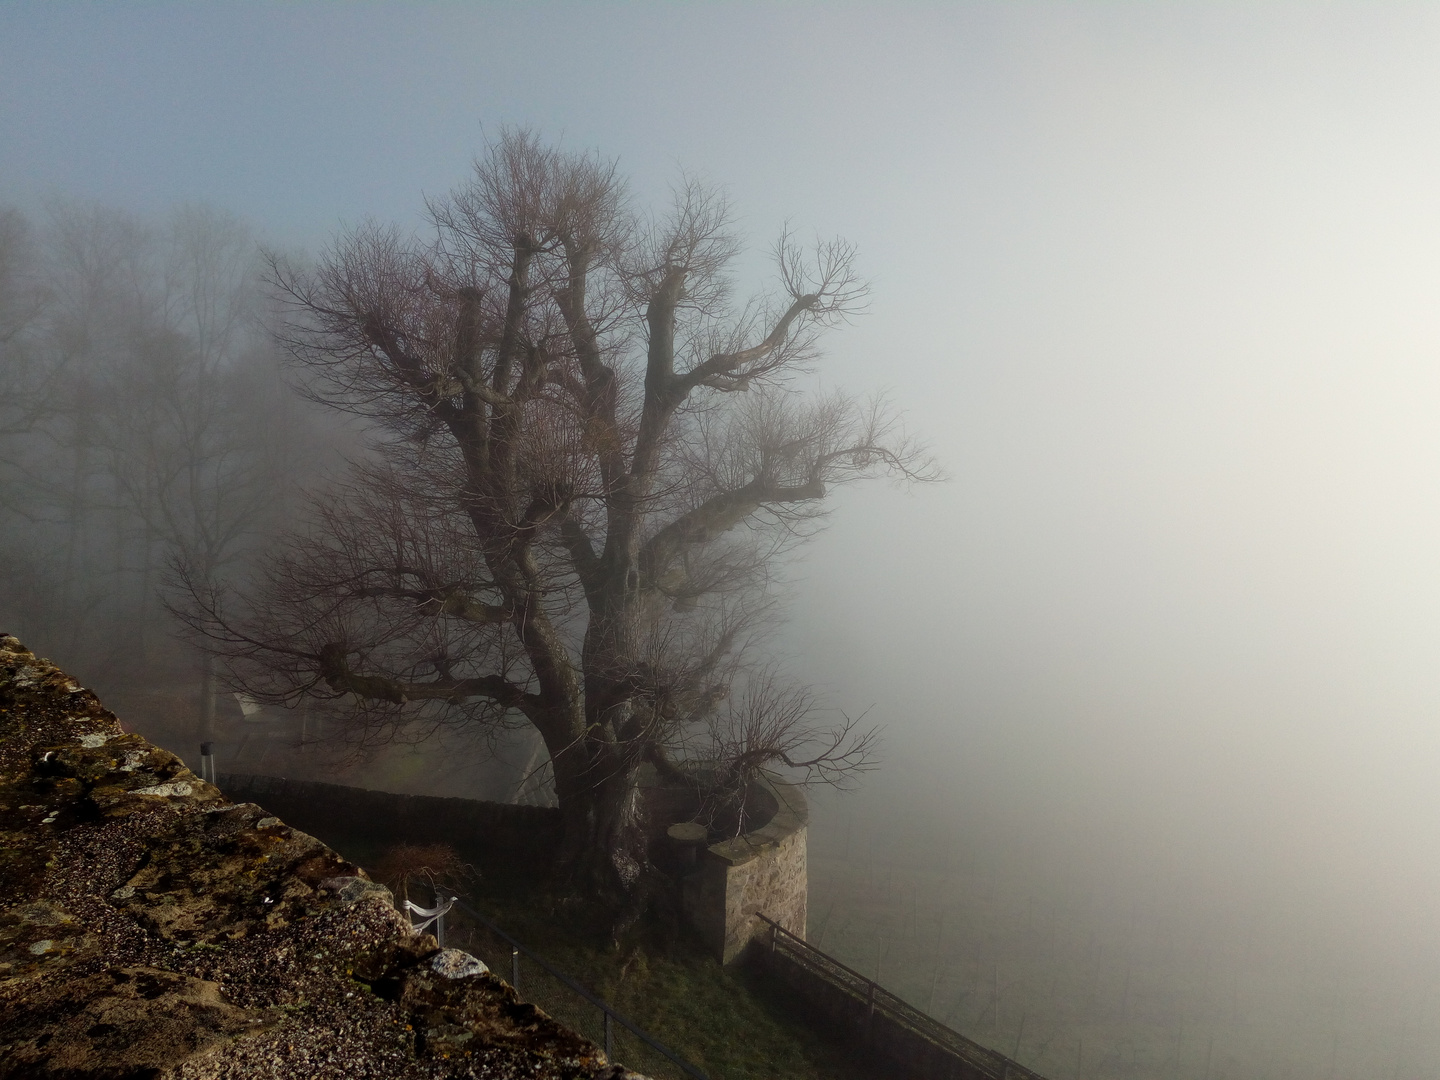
149 928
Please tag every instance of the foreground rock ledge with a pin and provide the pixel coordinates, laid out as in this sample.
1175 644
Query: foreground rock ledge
149 928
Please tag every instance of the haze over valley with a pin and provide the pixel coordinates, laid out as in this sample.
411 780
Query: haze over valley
1158 286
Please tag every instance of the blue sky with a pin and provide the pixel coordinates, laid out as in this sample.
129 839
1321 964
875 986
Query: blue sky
297 114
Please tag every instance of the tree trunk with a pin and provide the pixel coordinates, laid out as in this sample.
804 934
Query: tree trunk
602 855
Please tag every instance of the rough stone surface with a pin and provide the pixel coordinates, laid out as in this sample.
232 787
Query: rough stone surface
454 964
150 928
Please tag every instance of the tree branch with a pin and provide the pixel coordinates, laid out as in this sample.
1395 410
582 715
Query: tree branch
334 668
718 515
442 601
582 554
719 372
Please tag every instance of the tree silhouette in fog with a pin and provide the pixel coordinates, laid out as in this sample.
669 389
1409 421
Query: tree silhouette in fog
592 458
142 419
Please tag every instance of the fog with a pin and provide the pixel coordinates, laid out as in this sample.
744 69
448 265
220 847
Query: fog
1156 665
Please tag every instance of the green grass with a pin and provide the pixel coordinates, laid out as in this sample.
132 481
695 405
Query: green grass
722 1021
727 1022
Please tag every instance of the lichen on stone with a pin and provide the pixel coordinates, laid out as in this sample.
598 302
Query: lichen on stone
149 927
455 964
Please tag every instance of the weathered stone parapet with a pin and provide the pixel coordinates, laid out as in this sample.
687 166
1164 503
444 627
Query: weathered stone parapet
519 835
762 871
149 927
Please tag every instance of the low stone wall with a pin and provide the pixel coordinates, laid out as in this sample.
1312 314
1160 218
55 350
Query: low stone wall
760 872
520 835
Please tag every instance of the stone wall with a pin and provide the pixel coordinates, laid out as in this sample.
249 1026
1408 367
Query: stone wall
520 835
760 871
151 927
763 871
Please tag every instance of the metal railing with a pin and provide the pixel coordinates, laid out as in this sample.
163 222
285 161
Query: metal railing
877 1000
541 984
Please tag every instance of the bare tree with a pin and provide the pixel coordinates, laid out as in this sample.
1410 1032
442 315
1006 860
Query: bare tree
51 280
25 378
192 453
32 369
593 457
142 416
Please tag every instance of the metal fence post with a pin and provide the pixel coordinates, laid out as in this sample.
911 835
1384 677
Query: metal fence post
609 1018
440 919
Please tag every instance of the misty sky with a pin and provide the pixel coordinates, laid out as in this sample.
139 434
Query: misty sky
1161 284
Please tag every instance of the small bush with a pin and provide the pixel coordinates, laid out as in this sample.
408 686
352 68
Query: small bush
405 865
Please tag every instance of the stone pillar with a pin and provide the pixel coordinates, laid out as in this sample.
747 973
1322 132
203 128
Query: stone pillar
758 872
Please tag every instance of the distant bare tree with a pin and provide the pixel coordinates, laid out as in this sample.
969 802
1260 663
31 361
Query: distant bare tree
593 458
188 439
142 417
75 284
27 372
